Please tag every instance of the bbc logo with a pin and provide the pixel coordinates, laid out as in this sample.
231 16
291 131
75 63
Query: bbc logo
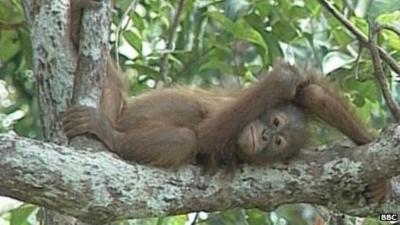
390 217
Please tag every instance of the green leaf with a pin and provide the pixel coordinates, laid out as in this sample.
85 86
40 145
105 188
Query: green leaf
234 217
173 220
26 47
20 215
235 8
299 12
244 32
223 20
139 23
360 24
389 18
219 65
383 6
335 60
239 29
273 50
134 40
10 45
256 217
284 30
358 99
146 70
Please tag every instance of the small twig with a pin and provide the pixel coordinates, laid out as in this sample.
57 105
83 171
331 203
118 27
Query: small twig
11 26
164 67
360 35
195 219
131 7
192 61
379 74
391 28
357 62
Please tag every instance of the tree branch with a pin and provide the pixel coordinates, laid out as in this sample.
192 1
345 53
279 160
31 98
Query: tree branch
124 20
164 67
390 27
54 62
360 35
379 74
56 67
97 187
12 25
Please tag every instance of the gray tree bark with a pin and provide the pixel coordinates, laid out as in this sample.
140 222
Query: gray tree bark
56 66
98 187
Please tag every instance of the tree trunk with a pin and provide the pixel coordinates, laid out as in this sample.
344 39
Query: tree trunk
56 66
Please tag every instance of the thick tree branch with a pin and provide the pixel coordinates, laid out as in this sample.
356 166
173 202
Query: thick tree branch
93 55
56 66
98 187
92 60
54 61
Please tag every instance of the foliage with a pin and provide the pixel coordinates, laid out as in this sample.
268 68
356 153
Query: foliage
216 43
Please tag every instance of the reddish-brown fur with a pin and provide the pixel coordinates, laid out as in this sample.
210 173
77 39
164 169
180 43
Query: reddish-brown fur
318 99
169 127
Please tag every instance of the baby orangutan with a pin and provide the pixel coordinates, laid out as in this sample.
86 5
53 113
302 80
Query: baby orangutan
171 127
